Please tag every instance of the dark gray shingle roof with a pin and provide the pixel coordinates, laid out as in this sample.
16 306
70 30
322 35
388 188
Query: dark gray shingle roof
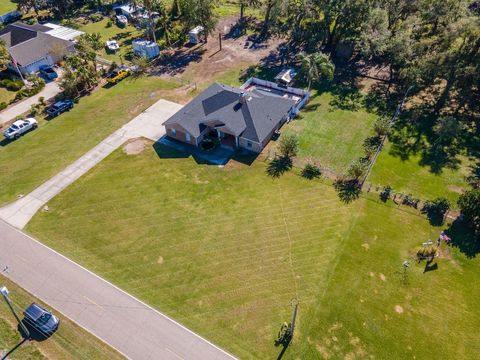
219 106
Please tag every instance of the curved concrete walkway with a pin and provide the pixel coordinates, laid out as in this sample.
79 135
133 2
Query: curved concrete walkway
148 124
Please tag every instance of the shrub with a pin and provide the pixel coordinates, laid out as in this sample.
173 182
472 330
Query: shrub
12 85
96 17
385 193
288 145
3 105
409 200
427 252
358 168
311 171
381 126
371 145
348 189
109 23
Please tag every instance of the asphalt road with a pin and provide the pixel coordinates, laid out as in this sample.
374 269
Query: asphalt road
128 325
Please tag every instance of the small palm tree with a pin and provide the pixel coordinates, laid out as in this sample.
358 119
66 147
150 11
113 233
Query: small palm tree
315 66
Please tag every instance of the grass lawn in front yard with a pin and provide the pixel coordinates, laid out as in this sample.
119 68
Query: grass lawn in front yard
40 154
409 176
6 95
225 250
7 6
124 37
68 342
328 134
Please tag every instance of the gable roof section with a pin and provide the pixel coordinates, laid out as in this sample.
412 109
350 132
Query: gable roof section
27 44
218 107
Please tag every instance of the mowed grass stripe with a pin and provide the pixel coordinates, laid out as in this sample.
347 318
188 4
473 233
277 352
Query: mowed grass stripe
217 250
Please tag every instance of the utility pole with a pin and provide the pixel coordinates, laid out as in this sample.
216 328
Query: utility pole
5 292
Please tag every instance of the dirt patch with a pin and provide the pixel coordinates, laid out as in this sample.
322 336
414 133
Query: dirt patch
382 277
325 354
195 63
135 146
160 260
398 309
371 273
366 246
456 189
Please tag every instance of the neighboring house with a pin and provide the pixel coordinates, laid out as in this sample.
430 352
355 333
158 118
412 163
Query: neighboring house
239 118
31 46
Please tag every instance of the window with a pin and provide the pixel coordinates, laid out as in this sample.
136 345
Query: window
174 132
187 137
249 144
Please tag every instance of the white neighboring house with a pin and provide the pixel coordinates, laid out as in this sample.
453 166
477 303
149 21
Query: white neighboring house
30 46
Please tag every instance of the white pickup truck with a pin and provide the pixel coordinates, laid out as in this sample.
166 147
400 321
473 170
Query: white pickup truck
19 127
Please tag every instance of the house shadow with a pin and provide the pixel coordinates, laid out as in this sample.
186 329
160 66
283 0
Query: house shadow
167 148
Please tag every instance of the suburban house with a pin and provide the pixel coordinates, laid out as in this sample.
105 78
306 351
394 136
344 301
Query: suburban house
31 46
244 117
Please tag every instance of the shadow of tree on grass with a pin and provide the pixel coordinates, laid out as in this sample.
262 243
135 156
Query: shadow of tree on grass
348 189
278 166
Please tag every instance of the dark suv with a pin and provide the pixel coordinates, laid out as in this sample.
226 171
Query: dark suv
42 320
59 107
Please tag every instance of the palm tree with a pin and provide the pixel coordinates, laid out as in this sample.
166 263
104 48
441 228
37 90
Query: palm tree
315 66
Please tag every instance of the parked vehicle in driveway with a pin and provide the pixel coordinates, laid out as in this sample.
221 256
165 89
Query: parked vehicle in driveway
48 72
117 75
59 107
20 127
41 319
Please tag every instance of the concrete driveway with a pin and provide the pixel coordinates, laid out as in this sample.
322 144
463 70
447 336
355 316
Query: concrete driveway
148 124
49 91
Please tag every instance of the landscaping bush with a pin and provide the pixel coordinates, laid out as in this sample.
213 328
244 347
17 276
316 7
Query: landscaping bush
3 105
436 210
96 17
371 145
11 85
427 252
385 193
381 126
311 171
410 201
109 23
358 168
288 145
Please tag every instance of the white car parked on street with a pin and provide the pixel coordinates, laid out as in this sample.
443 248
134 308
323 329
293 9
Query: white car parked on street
20 127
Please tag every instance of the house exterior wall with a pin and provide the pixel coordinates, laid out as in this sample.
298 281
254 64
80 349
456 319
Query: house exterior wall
254 146
180 135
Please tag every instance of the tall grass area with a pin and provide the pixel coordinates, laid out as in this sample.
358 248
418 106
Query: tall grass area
34 158
225 250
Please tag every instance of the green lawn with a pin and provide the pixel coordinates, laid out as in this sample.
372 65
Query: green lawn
329 134
224 250
42 153
6 6
124 37
6 95
69 342
410 177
